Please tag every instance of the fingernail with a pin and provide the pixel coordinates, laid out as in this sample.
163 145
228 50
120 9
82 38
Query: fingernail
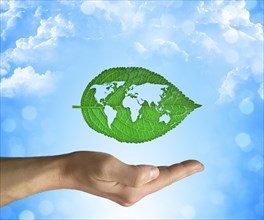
154 172
199 167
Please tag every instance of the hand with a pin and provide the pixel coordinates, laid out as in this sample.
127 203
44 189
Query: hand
103 175
97 173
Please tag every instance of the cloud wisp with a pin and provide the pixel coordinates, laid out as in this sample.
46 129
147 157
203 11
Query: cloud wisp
25 81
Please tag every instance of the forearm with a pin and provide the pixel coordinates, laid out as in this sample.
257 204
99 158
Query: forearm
22 177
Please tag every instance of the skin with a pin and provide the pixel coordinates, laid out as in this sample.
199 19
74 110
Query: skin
96 173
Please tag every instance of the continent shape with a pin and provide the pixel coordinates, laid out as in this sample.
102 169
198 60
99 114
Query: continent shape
135 96
102 91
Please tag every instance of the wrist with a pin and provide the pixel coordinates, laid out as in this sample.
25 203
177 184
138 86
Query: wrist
47 173
65 170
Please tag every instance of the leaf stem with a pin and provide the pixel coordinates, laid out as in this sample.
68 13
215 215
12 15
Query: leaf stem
76 106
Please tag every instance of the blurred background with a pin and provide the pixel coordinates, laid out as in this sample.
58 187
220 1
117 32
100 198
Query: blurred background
211 50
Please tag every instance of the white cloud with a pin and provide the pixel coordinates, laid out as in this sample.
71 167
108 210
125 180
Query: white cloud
231 36
239 39
11 12
162 46
235 14
139 47
168 47
25 81
258 32
38 12
89 7
232 17
47 33
232 20
165 47
228 87
231 13
217 27
5 66
207 42
28 49
129 14
9 16
55 27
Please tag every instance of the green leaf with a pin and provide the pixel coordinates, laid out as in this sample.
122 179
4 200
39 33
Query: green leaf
133 104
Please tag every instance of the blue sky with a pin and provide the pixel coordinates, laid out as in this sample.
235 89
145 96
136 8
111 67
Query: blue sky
211 50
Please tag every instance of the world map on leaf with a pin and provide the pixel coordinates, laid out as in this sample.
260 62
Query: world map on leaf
133 104
135 96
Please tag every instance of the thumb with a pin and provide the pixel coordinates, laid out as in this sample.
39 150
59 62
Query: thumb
136 175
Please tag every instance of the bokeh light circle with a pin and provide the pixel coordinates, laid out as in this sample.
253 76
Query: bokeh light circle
255 163
8 125
26 215
46 207
246 106
243 140
29 113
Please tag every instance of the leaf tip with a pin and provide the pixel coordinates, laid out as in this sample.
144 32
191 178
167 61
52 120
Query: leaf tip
197 105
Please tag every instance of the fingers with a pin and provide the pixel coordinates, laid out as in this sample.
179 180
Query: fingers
127 195
134 176
135 182
171 174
